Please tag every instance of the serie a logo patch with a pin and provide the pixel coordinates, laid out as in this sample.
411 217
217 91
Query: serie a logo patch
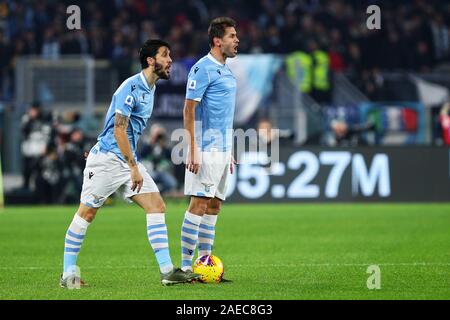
192 84
129 101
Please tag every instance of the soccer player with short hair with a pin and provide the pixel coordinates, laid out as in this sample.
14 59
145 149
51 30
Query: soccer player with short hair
208 117
112 162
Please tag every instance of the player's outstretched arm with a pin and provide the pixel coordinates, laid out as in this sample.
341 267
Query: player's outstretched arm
120 133
193 163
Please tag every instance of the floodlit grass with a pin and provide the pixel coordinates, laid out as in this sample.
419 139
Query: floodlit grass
270 251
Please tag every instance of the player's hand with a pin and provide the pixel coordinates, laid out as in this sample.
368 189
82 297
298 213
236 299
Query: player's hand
233 163
136 179
193 163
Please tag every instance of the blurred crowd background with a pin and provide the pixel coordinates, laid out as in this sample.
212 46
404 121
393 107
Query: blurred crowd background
414 38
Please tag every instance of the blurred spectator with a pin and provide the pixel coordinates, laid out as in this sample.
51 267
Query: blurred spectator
74 42
336 52
441 37
5 63
74 163
267 133
445 123
98 45
310 71
353 59
321 84
156 156
53 155
423 58
268 141
49 178
289 35
2 125
371 83
345 135
31 44
272 40
50 46
36 134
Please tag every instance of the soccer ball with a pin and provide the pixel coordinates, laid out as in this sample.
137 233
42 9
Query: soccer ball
210 268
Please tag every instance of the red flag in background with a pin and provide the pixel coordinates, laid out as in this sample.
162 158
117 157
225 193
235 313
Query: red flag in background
409 119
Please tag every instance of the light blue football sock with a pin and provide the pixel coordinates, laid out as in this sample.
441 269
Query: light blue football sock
73 241
206 234
157 236
189 237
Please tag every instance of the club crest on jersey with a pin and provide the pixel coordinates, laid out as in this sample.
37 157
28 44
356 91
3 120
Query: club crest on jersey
192 84
207 186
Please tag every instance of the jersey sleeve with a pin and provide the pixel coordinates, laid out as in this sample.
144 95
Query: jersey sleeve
198 81
124 100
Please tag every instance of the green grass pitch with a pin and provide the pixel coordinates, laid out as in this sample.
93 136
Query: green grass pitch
270 251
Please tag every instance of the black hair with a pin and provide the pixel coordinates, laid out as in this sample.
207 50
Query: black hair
217 28
150 49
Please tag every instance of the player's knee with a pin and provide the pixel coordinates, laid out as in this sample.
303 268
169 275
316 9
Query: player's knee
161 207
214 207
90 215
198 206
87 213
156 207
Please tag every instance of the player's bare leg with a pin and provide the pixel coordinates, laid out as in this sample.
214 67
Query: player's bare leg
87 213
150 202
198 205
154 207
214 206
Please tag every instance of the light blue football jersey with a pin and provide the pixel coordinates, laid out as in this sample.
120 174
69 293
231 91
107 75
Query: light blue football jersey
214 86
134 99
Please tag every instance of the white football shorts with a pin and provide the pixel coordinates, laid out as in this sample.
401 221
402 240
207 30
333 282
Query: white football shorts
212 179
105 173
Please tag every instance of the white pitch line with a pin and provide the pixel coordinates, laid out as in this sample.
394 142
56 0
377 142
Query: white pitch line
412 264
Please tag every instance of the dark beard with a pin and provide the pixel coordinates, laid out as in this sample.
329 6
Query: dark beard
160 72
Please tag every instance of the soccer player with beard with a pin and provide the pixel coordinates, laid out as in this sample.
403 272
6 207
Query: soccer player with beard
208 117
112 162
